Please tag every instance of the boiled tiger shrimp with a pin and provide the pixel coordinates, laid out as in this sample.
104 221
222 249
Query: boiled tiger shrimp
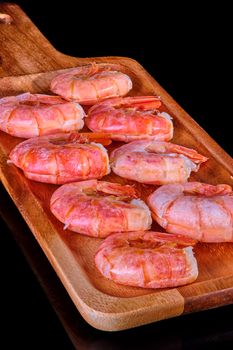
29 115
98 208
157 163
90 84
131 118
61 158
199 210
147 259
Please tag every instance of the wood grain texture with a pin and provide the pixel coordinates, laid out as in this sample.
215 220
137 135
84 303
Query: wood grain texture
27 63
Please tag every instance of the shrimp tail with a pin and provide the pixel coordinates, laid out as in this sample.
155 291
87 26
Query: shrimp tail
166 147
142 102
207 189
15 99
188 152
104 139
176 239
116 189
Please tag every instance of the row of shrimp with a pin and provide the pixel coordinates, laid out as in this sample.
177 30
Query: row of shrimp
57 153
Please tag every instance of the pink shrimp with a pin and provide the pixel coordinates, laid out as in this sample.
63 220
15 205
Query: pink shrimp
198 210
98 208
131 118
147 259
90 84
28 115
154 162
60 158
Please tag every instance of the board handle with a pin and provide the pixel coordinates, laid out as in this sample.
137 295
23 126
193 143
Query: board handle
24 49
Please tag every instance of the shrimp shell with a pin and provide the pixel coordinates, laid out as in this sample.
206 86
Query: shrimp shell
60 158
153 162
90 84
98 208
147 259
30 115
201 211
131 118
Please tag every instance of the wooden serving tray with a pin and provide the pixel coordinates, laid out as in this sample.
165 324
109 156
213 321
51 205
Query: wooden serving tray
104 304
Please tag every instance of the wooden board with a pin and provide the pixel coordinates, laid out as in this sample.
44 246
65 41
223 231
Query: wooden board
104 304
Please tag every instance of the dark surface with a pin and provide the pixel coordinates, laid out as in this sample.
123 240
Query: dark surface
192 62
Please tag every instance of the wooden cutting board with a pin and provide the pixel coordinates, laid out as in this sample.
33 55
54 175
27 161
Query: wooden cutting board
27 63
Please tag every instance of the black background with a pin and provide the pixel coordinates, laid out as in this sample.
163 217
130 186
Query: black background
187 49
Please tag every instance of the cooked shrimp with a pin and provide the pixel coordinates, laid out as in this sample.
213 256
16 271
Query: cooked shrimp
131 118
147 259
90 84
98 208
28 115
154 162
198 210
60 158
